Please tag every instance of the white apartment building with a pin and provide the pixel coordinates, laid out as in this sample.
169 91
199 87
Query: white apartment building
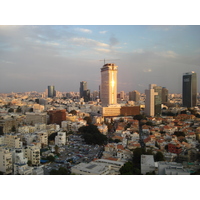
42 137
60 139
103 128
40 126
18 156
22 169
147 164
26 129
32 152
5 161
12 141
1 140
38 170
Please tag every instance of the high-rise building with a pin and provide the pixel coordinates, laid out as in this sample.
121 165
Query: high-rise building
51 91
83 87
122 95
108 87
189 93
95 95
158 99
86 95
134 96
164 95
150 100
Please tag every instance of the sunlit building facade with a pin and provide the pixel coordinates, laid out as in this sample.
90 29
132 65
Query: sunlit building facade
108 87
150 100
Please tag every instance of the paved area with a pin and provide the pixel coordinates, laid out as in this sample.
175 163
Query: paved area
73 153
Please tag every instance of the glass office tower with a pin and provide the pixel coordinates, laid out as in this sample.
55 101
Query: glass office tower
189 93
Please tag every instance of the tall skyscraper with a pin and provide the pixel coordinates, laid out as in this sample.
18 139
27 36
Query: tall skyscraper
51 91
86 95
189 93
164 95
150 100
83 87
134 96
158 99
109 84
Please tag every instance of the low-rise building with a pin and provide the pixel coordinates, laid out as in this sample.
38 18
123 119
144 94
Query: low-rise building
147 164
12 141
171 168
34 118
5 160
60 139
98 167
32 152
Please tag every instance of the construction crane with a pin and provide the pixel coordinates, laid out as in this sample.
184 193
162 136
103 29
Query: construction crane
107 60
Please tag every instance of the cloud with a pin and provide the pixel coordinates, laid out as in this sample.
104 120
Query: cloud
103 50
167 54
88 42
7 62
138 51
83 30
103 32
147 70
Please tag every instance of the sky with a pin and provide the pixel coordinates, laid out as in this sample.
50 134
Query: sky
33 57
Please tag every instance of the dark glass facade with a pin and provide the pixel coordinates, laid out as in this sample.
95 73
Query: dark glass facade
83 87
158 100
189 93
51 91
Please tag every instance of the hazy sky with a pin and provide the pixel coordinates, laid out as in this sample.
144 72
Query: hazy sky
33 57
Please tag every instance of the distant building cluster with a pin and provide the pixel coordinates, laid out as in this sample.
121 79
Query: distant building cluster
172 126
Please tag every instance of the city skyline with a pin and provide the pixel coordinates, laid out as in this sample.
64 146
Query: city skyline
32 57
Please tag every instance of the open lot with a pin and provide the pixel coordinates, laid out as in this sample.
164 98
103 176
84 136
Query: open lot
75 152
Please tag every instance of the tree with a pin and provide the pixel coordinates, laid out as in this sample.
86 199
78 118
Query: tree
73 112
60 171
159 156
179 133
88 119
1 130
92 135
13 129
50 158
19 109
126 169
11 110
117 140
129 169
139 117
52 136
56 149
149 123
137 156
29 163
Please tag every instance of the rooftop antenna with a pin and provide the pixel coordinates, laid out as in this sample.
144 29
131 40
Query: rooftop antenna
107 60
